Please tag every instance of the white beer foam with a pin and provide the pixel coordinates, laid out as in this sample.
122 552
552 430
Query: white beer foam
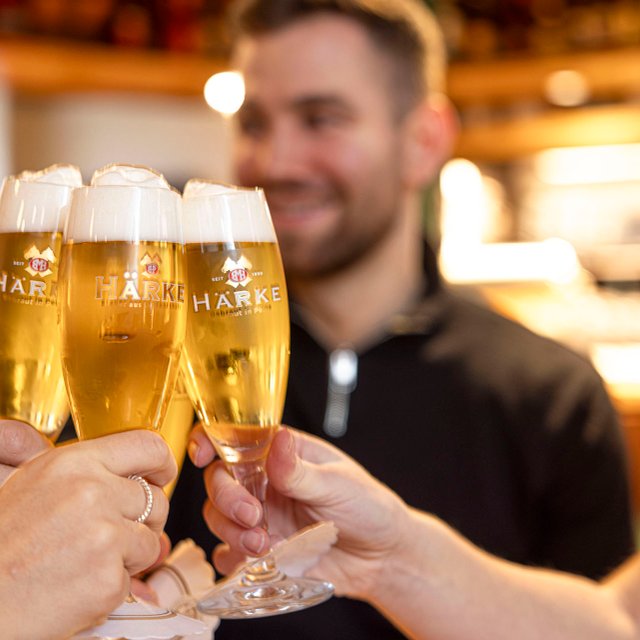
126 203
198 187
65 174
215 212
128 175
35 201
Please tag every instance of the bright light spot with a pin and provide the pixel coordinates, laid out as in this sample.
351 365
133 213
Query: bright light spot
460 178
224 92
618 362
343 364
469 208
566 88
589 165
561 264
464 209
552 260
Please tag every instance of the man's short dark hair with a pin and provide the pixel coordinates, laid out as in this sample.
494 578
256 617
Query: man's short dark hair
404 30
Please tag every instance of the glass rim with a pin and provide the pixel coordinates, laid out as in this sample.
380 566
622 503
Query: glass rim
132 165
37 184
148 187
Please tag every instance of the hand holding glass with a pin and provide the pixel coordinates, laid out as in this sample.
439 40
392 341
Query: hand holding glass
237 358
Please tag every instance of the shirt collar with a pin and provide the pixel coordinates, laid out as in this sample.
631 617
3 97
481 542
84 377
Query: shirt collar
428 311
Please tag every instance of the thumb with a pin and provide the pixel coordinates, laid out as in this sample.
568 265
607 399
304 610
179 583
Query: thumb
295 477
19 442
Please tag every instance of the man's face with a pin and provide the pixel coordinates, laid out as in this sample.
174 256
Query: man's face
317 132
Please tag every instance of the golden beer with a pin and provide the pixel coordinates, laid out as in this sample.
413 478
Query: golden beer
237 345
236 362
177 426
31 383
122 324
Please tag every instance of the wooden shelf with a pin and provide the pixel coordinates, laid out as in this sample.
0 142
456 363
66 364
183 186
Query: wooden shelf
609 74
40 66
506 139
498 89
516 119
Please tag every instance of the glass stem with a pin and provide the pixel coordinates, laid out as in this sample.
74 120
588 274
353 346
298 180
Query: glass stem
253 477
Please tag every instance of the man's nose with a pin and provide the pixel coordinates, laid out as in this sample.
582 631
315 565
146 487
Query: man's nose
283 154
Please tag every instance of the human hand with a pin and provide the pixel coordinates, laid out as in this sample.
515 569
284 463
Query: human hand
19 442
309 480
69 539
139 587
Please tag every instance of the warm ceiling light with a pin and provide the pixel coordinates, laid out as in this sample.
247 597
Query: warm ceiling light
224 92
566 88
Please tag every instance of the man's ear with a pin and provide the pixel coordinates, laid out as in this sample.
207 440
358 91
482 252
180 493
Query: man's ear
431 129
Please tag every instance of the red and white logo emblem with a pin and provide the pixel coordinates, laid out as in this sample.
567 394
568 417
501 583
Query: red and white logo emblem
238 275
39 264
151 264
237 272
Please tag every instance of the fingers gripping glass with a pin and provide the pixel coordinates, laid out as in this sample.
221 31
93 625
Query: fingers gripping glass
237 359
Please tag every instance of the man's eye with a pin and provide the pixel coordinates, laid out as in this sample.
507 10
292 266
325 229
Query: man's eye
252 126
322 120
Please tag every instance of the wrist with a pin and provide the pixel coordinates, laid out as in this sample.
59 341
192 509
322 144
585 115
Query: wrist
411 565
400 560
371 549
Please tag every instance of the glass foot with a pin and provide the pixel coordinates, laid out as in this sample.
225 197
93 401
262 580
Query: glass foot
235 598
137 620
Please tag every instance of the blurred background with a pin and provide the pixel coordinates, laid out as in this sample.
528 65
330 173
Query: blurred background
537 214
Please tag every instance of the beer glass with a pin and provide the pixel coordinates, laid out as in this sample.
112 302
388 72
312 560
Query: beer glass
121 303
33 208
236 360
122 312
177 426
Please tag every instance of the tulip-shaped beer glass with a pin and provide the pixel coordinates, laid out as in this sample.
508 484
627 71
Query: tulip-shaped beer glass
33 207
177 426
121 304
237 358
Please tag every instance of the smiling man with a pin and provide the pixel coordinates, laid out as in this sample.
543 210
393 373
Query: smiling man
342 166
505 435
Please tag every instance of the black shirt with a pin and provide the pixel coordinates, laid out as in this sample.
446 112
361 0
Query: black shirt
507 436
